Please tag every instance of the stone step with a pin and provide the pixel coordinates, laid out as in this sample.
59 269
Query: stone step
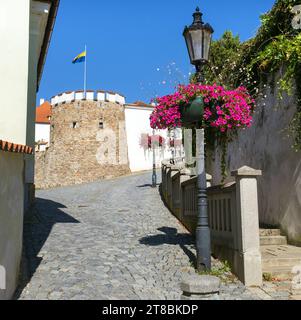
269 232
273 240
280 262
280 273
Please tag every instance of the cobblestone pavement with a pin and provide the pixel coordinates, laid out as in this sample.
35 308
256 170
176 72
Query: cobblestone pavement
112 239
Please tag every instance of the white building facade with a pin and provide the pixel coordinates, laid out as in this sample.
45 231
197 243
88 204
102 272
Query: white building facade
42 136
42 126
139 133
25 31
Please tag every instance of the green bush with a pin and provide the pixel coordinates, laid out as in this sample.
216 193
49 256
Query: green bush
277 45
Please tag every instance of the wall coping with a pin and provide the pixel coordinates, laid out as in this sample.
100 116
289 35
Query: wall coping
186 172
246 171
192 180
228 187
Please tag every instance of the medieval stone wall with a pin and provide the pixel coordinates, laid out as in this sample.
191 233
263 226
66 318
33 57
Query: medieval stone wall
87 143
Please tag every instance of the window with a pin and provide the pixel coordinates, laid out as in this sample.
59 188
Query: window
100 125
74 125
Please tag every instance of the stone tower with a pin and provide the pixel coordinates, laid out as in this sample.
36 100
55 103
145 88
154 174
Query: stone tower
87 140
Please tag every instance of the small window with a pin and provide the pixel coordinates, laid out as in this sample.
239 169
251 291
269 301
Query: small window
74 124
100 125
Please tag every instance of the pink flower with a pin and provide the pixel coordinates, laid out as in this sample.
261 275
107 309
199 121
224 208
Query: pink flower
225 109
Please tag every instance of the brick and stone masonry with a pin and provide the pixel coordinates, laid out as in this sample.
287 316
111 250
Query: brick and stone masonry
87 143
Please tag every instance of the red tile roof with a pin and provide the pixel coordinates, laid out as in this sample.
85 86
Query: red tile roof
142 104
43 112
13 147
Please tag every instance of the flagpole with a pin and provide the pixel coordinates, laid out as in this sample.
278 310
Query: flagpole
85 73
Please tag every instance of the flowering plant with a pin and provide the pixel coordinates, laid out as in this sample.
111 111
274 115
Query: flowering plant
157 140
225 111
147 141
175 143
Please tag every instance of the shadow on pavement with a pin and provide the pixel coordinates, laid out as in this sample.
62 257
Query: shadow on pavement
172 237
148 185
37 227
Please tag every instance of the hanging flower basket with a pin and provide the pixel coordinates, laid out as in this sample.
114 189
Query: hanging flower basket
155 140
219 111
174 143
210 106
192 113
147 141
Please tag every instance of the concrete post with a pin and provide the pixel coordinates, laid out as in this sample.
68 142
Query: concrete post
164 178
174 169
248 259
188 146
185 174
209 180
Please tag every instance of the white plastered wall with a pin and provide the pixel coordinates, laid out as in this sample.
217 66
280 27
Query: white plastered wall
11 220
14 33
137 124
42 132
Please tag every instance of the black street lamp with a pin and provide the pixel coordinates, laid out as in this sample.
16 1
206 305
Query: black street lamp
198 39
154 175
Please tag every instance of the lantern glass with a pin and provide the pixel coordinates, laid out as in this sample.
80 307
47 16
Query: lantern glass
197 37
207 36
189 46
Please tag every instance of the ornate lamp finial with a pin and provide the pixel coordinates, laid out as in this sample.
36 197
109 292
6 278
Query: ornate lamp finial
197 17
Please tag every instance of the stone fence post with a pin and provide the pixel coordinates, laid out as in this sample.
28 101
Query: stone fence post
164 178
248 260
209 180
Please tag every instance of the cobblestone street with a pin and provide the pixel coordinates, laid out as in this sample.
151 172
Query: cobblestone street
112 239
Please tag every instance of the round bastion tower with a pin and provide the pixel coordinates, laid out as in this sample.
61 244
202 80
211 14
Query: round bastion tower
87 140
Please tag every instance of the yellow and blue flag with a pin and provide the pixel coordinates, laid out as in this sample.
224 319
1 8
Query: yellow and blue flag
80 58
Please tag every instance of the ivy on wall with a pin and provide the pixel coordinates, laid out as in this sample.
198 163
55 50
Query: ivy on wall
277 46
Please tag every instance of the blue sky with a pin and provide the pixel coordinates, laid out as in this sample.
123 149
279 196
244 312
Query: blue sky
135 47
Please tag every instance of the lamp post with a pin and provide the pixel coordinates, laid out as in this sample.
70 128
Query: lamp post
173 150
154 175
198 39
